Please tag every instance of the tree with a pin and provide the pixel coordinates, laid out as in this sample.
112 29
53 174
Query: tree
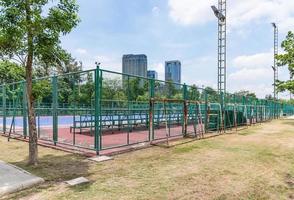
65 64
33 36
135 88
112 89
11 72
171 89
269 97
212 94
245 93
287 59
193 93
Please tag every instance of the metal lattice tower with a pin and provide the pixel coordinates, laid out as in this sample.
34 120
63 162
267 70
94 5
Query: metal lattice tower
222 45
221 13
275 67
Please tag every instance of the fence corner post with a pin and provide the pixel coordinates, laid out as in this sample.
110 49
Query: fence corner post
97 142
185 97
206 110
24 110
55 109
4 107
151 109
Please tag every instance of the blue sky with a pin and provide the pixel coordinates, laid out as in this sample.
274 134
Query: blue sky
185 30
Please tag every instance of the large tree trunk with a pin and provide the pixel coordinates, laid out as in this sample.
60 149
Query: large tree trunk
33 137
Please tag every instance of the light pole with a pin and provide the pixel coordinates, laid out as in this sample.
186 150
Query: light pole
220 13
275 67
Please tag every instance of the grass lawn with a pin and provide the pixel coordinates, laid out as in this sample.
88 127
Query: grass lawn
256 163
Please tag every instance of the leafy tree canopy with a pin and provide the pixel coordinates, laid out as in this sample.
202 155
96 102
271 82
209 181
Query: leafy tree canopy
212 94
47 27
245 93
11 72
287 59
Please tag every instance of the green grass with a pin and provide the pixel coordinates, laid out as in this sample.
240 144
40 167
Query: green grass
256 163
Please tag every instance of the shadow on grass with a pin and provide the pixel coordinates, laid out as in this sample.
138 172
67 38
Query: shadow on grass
54 169
58 168
288 122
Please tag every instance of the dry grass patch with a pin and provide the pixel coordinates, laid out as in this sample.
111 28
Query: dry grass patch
256 163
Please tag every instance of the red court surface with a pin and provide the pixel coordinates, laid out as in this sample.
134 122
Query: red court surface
113 139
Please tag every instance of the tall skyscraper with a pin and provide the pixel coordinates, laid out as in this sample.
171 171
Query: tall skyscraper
173 71
135 65
152 74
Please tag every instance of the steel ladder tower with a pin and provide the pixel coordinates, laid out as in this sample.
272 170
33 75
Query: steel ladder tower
222 47
221 13
275 67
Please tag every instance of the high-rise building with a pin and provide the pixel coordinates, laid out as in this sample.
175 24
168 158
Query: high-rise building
152 74
173 71
135 65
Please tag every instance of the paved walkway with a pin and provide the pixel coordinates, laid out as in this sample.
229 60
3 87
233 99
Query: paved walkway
13 179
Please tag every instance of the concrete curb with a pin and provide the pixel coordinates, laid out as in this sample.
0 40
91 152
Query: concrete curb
30 181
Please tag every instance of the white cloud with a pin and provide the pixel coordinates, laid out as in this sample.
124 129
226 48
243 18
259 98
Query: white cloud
190 11
248 75
240 12
81 51
254 73
254 61
155 10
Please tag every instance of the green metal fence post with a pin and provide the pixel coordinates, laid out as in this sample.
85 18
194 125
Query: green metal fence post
185 120
235 112
97 142
151 109
4 107
55 109
24 110
206 110
128 114
223 110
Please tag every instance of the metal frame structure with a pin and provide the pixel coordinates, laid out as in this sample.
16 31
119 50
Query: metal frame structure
220 13
275 67
104 122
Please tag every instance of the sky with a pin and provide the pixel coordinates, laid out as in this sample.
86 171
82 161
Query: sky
184 30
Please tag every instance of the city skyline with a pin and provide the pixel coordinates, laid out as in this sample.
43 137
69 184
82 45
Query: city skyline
137 65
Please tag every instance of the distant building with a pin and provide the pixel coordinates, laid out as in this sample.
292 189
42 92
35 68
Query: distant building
173 71
152 74
135 65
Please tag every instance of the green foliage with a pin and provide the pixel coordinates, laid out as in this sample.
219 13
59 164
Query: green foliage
112 89
193 93
42 91
287 59
212 94
135 88
245 93
269 97
171 89
86 92
67 65
11 72
24 24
